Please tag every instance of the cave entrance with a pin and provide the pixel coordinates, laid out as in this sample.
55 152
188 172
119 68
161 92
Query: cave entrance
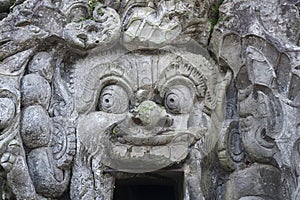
149 186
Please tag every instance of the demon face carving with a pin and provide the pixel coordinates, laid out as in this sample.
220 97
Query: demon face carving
142 113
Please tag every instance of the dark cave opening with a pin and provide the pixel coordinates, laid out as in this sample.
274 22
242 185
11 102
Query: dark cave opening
150 186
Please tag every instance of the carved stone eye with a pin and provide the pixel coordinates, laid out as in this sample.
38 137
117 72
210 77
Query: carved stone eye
173 102
179 99
113 99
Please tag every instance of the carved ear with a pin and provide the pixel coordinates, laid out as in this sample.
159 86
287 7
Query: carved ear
270 107
230 149
260 70
242 79
230 52
262 122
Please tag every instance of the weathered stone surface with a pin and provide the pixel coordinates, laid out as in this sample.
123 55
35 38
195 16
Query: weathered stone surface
254 178
45 181
7 110
35 90
35 126
100 95
42 64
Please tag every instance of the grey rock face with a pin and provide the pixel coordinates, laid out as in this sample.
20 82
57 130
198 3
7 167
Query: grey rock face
44 180
42 65
7 112
35 90
35 126
98 98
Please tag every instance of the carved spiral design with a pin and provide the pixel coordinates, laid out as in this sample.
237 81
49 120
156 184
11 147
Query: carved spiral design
63 145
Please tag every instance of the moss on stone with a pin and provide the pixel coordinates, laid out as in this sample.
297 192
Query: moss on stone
92 5
214 15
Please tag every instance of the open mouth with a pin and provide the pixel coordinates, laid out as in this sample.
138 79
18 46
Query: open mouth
160 185
139 150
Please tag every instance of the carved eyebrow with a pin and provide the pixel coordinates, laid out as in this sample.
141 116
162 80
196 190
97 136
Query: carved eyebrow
97 78
97 74
180 69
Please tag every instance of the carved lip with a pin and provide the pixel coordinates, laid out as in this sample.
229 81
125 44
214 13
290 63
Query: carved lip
142 137
157 140
134 150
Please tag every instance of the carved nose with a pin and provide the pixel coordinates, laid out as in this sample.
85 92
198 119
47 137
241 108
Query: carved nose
149 114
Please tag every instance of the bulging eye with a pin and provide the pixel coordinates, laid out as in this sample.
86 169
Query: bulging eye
173 102
113 99
179 99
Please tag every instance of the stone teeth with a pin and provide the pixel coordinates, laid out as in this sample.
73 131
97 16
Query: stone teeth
151 141
120 150
160 151
138 151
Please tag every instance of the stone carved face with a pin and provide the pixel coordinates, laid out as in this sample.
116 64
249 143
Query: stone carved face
141 113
